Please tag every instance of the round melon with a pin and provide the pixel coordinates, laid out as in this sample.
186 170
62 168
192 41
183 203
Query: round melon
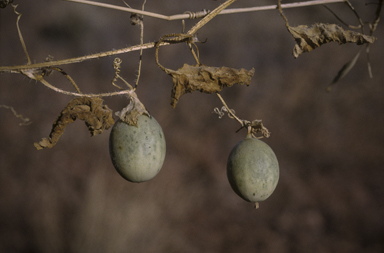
253 169
137 152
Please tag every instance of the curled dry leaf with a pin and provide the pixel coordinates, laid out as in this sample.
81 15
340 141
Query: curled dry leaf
133 111
311 37
205 79
344 70
97 117
257 126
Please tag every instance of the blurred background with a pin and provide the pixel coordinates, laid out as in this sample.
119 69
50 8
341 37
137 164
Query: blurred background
329 145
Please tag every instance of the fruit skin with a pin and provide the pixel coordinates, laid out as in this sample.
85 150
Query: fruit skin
137 153
253 169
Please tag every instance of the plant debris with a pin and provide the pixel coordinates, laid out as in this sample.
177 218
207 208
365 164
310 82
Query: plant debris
344 70
97 117
205 79
257 126
133 111
310 37
25 121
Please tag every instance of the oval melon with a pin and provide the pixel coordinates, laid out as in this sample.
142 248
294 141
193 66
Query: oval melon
137 152
253 169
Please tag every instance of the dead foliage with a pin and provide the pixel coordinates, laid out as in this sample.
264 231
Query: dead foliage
133 111
310 37
96 116
344 70
205 79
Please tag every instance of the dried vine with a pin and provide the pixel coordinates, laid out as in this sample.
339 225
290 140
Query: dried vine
197 77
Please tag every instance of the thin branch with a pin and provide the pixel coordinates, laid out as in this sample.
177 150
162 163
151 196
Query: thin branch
141 24
25 122
282 14
210 16
253 127
109 94
230 111
372 28
341 21
16 69
19 32
191 15
377 18
283 6
349 4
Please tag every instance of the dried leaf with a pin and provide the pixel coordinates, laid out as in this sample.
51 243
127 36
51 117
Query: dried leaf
309 38
97 117
344 70
133 111
254 127
205 79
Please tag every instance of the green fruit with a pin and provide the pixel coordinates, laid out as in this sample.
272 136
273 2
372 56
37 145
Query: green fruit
253 169
137 152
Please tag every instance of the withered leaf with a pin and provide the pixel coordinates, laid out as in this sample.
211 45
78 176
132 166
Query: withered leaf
205 79
344 70
310 37
133 111
97 117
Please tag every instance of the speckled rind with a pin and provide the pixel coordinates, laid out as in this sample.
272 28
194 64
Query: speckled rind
253 170
137 153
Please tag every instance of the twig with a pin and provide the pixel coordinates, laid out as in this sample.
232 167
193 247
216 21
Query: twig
283 6
348 3
116 65
230 111
16 69
109 94
25 122
19 32
253 127
203 13
141 24
280 8
372 28
377 18
68 77
210 16
341 21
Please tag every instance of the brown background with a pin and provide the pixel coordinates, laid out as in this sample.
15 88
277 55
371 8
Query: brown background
330 145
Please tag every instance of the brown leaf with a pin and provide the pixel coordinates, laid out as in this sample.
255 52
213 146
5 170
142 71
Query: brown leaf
133 111
309 38
205 79
97 117
344 70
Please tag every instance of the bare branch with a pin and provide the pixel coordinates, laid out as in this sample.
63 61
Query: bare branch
25 122
203 13
16 69
19 32
210 16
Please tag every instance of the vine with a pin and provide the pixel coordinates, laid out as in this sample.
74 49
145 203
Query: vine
188 78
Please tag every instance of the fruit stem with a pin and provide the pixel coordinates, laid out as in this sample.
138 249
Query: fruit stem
256 205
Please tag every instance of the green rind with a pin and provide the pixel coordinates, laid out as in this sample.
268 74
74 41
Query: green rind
137 153
253 170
